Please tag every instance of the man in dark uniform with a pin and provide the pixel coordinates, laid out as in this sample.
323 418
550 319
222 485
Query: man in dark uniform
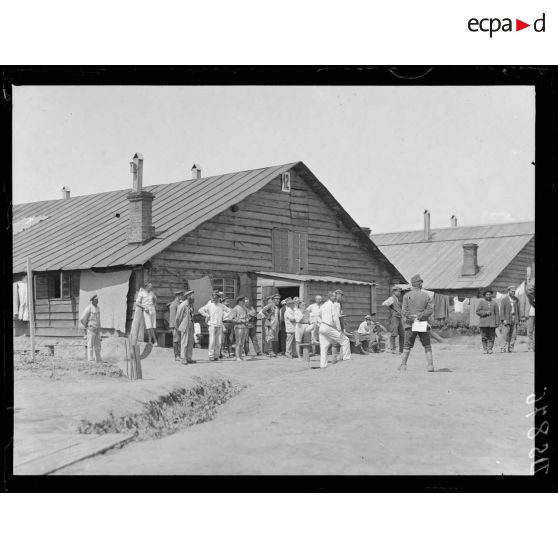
416 309
396 327
173 307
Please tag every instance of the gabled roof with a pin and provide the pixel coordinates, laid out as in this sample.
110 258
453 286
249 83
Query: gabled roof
90 231
439 260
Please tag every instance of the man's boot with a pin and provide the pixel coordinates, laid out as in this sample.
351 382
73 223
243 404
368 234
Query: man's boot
334 354
429 360
490 346
392 345
485 346
404 357
359 350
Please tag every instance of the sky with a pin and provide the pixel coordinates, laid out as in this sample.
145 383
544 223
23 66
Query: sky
385 153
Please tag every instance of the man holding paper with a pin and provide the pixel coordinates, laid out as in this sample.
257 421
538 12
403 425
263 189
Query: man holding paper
416 309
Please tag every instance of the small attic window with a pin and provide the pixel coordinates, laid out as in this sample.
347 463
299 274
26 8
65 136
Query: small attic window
286 182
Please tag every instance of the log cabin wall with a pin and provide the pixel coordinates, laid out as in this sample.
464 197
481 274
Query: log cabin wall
239 240
516 271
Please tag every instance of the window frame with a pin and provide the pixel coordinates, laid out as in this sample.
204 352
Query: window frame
220 283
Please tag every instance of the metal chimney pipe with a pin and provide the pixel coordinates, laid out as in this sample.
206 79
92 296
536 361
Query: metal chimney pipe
196 171
426 224
65 193
136 168
453 221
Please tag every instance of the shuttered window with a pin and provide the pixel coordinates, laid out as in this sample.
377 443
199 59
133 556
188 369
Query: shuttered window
290 251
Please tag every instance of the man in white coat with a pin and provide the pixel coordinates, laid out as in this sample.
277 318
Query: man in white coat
330 330
314 313
213 313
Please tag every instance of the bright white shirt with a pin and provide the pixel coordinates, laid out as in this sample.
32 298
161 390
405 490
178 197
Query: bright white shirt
532 311
215 312
289 315
314 311
329 315
364 328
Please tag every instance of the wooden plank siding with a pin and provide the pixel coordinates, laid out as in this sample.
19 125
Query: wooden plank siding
240 240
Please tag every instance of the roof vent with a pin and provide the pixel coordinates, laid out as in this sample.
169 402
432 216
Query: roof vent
426 224
65 193
453 221
366 230
470 265
196 171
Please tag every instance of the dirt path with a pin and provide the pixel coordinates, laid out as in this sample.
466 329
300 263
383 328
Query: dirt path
358 417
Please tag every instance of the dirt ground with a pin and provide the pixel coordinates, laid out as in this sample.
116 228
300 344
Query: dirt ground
356 417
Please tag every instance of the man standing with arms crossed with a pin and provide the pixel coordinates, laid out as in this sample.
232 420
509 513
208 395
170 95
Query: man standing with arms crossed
330 331
213 313
416 309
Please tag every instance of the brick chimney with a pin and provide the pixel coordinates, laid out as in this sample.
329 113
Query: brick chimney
453 221
426 224
470 265
196 171
366 230
140 228
65 193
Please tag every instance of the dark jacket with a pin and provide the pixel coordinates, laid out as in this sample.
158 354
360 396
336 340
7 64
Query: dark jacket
489 315
416 303
506 310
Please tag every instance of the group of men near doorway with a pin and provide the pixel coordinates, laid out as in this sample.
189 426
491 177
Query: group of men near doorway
320 324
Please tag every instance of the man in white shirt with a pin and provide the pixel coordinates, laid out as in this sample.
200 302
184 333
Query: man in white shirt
213 313
290 321
330 330
314 313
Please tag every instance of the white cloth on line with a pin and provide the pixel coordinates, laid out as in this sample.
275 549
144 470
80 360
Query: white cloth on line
429 293
457 306
23 294
112 290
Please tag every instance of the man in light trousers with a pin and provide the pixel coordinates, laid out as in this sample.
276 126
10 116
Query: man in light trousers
213 313
330 331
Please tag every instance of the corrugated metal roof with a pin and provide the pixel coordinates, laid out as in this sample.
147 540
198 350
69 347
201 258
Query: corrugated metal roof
439 260
84 232
90 231
311 278
456 233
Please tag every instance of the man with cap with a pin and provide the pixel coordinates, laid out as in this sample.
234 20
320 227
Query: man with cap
365 335
270 312
417 307
185 324
213 313
290 322
396 327
173 308
510 316
91 321
489 319
330 330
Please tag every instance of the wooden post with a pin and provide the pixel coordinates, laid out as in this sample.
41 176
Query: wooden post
31 306
373 298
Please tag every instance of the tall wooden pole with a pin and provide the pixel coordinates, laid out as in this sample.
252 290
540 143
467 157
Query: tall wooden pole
31 306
